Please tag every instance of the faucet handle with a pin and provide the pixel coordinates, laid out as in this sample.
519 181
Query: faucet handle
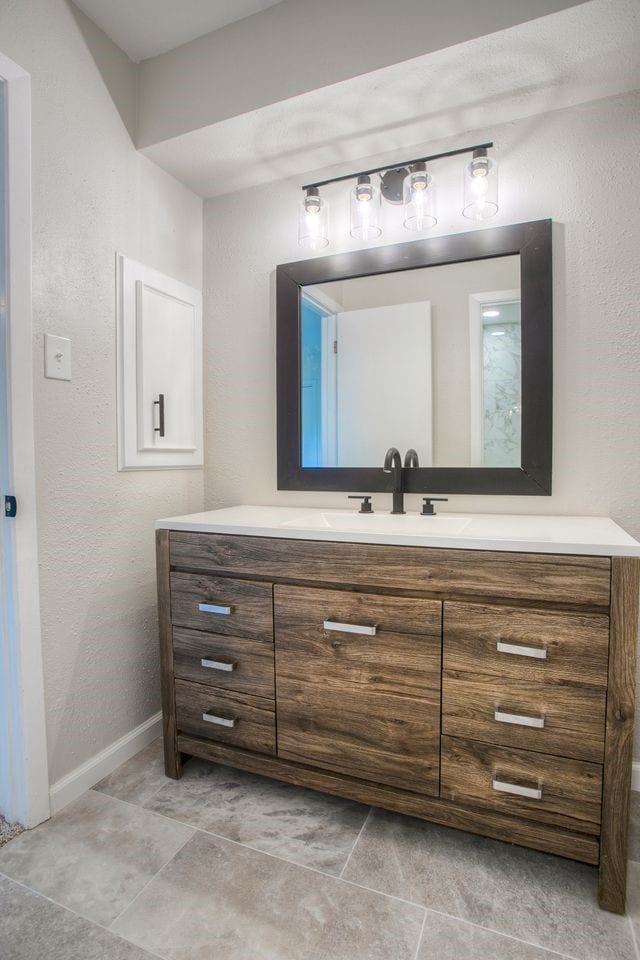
427 505
365 506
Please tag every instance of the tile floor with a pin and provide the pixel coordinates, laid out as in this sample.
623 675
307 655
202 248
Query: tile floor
222 865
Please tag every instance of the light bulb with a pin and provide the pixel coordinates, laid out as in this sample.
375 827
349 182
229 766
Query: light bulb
480 187
365 210
419 199
313 221
364 190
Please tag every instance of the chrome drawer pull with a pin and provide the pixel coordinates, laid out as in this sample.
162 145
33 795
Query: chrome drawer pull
519 719
221 721
214 608
219 665
539 653
350 628
534 793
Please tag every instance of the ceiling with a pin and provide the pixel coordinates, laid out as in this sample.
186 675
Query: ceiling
579 54
146 28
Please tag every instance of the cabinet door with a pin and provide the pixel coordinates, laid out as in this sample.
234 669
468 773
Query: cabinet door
159 370
358 684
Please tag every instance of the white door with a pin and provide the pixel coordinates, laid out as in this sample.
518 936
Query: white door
6 585
24 780
384 390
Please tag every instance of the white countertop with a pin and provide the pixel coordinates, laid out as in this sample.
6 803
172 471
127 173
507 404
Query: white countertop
596 536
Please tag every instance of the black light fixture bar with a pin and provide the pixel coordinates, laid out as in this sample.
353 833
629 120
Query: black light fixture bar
400 163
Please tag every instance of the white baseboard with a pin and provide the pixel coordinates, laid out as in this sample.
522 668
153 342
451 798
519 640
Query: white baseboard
92 771
635 775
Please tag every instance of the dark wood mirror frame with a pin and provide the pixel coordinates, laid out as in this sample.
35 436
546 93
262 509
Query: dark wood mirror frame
532 241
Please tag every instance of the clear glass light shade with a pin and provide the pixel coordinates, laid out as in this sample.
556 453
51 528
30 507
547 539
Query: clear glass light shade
313 221
419 198
365 210
480 189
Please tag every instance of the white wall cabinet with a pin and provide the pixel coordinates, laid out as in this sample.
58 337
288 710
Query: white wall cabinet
159 370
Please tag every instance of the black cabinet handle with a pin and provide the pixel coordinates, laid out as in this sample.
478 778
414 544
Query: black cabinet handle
159 403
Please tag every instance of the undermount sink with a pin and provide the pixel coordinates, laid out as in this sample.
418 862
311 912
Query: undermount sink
401 524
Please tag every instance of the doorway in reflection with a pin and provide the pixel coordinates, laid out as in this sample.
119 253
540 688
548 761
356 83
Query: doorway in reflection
428 359
366 381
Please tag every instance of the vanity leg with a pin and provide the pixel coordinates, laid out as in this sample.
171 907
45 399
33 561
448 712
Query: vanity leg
625 584
172 756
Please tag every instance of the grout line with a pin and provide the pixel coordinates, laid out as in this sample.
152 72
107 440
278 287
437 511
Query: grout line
80 916
352 883
424 920
273 856
501 933
355 843
154 877
301 866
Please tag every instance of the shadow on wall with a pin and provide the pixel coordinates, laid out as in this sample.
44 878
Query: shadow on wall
116 69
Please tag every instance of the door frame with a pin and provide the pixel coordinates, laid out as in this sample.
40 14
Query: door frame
24 783
476 383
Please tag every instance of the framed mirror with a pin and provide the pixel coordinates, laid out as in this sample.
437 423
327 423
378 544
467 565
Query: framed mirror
443 346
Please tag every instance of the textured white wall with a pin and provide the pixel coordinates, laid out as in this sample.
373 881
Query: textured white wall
93 195
577 166
302 45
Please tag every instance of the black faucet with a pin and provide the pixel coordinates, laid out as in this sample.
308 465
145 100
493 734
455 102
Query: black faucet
393 464
411 458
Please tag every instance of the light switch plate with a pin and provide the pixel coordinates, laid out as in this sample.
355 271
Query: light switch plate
57 357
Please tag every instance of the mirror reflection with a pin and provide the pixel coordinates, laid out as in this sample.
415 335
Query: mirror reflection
427 358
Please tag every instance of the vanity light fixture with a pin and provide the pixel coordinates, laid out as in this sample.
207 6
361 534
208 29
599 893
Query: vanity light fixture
407 183
313 220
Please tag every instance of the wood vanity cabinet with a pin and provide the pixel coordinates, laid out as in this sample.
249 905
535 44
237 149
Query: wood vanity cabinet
491 692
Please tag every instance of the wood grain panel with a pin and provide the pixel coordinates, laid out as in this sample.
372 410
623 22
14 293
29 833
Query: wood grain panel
256 726
487 823
525 576
625 584
348 727
172 759
390 662
251 605
251 660
571 789
576 644
573 716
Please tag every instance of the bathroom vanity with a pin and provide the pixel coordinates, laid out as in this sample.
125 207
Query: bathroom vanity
475 671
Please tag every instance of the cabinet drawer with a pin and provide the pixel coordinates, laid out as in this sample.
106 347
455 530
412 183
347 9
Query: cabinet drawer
521 783
348 728
389 644
237 608
236 719
526 644
563 720
231 663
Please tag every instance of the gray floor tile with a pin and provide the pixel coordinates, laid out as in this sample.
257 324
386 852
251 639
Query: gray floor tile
633 898
95 856
447 939
218 899
32 927
137 779
306 827
545 900
634 827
